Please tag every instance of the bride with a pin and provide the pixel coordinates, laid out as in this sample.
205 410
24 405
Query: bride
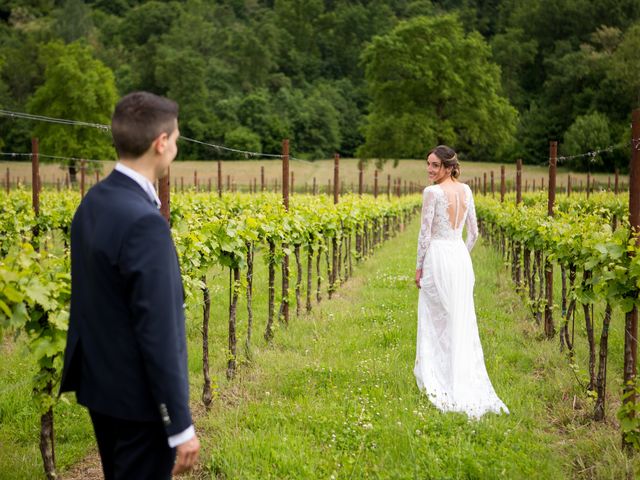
449 364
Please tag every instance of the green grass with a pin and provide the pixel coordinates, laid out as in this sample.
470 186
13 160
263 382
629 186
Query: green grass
334 395
20 421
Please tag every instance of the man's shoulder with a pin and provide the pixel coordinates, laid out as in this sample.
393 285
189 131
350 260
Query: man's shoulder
115 202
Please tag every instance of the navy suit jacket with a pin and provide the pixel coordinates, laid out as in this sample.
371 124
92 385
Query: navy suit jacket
126 353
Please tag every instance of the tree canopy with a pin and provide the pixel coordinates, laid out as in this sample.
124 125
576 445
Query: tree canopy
430 84
79 87
496 79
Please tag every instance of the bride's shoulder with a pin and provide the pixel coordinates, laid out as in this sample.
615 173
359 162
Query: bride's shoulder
431 189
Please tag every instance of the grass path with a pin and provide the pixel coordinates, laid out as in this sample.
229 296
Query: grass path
334 395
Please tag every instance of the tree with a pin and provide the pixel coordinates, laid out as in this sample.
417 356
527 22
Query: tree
4 95
241 138
516 55
78 87
313 124
588 133
73 20
573 80
191 47
625 66
254 49
344 32
430 83
299 19
140 36
257 112
348 101
115 7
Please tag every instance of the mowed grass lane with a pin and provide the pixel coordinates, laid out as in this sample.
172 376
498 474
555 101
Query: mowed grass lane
335 396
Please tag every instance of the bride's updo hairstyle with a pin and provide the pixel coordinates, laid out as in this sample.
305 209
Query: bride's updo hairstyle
448 157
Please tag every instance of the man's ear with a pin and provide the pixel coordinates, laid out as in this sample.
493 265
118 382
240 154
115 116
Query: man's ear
160 143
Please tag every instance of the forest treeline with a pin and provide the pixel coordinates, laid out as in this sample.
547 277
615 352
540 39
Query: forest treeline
368 78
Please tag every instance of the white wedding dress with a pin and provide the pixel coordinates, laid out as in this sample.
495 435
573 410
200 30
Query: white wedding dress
449 364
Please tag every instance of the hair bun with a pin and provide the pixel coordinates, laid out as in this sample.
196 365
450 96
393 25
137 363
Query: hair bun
448 157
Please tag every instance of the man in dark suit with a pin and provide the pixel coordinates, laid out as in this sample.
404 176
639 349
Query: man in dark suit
126 354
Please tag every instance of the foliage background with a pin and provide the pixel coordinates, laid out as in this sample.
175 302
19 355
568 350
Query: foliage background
249 72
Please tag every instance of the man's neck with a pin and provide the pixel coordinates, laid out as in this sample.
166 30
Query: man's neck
142 167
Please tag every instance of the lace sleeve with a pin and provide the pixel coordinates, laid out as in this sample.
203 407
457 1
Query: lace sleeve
471 223
426 219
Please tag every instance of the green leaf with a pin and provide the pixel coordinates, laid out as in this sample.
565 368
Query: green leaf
12 294
5 309
40 294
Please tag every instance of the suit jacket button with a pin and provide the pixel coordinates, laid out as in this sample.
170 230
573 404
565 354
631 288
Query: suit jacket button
164 413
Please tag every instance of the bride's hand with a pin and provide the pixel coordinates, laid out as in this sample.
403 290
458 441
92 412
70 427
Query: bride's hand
418 277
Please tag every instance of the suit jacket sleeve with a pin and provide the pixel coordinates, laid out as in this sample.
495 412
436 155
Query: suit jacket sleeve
150 267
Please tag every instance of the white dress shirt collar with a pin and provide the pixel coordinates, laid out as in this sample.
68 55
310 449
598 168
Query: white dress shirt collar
141 180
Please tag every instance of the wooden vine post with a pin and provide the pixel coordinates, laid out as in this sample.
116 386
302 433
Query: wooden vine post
515 246
219 178
518 181
47 435
631 318
548 308
35 178
249 278
336 178
375 183
493 191
164 192
285 201
360 177
82 177
334 241
207 394
503 185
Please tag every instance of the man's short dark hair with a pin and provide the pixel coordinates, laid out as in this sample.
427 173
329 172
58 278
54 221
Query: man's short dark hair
137 121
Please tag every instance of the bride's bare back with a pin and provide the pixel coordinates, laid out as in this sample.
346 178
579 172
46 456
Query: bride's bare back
456 203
